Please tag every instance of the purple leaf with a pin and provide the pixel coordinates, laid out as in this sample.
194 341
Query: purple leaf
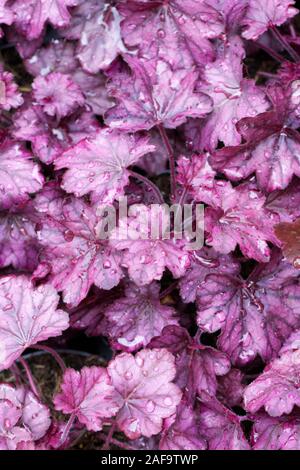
98 165
234 97
34 415
205 261
88 395
146 255
101 40
73 252
145 392
197 366
57 94
18 239
261 16
277 388
271 144
183 433
32 15
10 97
276 433
240 218
255 315
231 388
221 427
135 319
177 31
19 175
28 315
48 138
150 95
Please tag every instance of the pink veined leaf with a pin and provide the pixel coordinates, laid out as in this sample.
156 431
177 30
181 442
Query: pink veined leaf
28 315
271 143
183 433
231 388
57 94
238 217
88 395
285 203
52 439
277 388
48 138
255 315
154 163
174 31
32 15
98 165
263 14
144 389
94 90
81 15
276 433
205 261
10 97
197 365
33 125
25 48
133 320
18 239
145 247
234 97
13 437
101 40
19 175
60 56
232 12
74 254
35 416
89 315
220 427
150 95
197 177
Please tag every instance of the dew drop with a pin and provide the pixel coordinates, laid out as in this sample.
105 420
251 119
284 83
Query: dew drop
168 401
107 264
296 263
161 33
139 361
7 423
150 406
68 235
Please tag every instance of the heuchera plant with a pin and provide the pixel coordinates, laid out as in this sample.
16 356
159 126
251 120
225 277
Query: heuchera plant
157 103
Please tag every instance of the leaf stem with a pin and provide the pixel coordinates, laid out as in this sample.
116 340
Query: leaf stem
109 436
171 156
67 429
285 44
15 371
53 353
268 75
116 442
271 52
168 290
149 184
30 377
